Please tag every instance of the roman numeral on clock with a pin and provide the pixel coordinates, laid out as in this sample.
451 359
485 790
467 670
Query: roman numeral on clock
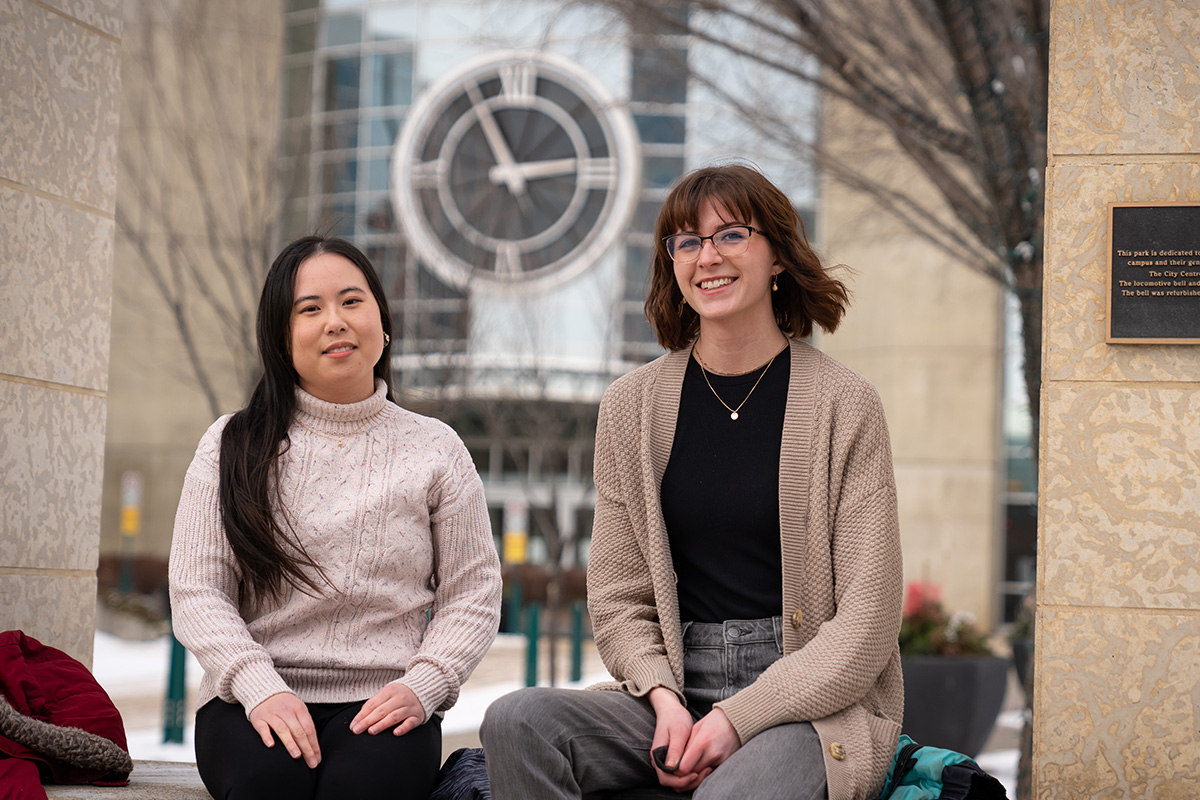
518 81
427 174
508 261
598 173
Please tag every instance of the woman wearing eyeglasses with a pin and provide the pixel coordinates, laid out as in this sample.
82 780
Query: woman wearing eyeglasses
744 578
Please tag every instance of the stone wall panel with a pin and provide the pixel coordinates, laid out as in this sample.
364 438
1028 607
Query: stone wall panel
57 260
51 468
1122 496
1119 705
58 610
58 126
1125 77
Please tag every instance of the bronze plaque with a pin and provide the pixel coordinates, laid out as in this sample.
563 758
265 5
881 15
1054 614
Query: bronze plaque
1154 273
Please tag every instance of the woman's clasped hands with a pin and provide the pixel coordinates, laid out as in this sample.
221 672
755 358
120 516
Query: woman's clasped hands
694 749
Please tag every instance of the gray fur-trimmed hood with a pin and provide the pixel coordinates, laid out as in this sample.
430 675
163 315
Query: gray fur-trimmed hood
70 745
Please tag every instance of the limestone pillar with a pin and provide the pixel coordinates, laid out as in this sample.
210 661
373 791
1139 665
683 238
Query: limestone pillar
1117 701
59 88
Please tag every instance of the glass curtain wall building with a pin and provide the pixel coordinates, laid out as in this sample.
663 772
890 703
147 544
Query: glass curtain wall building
502 164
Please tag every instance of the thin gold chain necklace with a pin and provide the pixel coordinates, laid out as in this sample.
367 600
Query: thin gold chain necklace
338 439
733 412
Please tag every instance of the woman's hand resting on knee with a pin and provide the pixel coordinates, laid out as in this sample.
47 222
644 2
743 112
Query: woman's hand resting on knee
713 740
673 730
394 704
288 717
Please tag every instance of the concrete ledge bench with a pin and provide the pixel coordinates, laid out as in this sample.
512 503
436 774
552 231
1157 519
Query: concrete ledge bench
150 780
172 780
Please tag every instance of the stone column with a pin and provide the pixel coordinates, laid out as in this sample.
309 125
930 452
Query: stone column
59 88
1117 697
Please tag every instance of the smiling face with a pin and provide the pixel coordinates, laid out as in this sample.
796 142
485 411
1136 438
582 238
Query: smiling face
336 330
730 291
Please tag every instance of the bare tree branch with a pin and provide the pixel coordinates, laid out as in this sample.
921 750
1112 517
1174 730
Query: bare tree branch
960 86
200 192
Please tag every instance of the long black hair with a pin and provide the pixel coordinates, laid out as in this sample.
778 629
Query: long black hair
269 556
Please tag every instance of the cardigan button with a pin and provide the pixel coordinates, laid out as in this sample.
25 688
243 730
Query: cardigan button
797 618
837 751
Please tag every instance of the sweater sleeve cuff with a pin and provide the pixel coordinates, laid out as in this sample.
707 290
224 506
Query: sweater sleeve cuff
641 678
749 713
255 683
430 686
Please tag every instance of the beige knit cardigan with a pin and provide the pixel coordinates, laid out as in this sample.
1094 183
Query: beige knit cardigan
842 577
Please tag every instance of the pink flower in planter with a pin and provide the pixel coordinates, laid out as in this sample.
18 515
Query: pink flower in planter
919 596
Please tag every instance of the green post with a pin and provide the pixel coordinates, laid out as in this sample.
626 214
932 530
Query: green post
531 645
514 606
577 642
174 707
126 584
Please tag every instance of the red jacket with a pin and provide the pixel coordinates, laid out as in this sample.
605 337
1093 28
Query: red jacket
56 722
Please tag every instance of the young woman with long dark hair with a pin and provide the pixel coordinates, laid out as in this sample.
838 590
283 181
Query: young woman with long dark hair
332 566
744 578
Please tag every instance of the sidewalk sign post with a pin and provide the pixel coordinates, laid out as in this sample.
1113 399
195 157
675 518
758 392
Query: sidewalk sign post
131 523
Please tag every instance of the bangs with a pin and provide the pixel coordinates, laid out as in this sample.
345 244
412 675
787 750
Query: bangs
681 211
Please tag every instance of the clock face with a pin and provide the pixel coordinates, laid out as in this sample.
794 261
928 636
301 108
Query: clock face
515 171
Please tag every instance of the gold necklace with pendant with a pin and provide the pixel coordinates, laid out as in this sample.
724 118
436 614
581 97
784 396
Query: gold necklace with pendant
733 412
337 439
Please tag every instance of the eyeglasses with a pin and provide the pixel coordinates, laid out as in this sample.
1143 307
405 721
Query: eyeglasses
731 241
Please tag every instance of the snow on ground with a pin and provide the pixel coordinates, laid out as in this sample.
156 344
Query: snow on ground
131 668
1003 765
126 667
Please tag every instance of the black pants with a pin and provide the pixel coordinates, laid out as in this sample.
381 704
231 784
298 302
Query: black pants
235 764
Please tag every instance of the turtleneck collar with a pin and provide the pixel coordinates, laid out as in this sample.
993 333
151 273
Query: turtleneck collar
335 417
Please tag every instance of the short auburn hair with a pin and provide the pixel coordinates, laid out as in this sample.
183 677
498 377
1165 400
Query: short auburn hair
807 293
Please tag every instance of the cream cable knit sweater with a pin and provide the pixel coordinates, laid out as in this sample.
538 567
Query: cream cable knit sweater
395 515
842 577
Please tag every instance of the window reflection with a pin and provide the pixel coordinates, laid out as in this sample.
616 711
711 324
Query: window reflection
378 174
339 175
659 172
341 83
341 134
660 75
342 29
660 128
382 132
392 79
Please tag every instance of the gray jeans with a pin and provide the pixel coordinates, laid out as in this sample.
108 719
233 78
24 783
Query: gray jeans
559 744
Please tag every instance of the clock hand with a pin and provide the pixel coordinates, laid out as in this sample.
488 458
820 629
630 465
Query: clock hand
505 163
530 170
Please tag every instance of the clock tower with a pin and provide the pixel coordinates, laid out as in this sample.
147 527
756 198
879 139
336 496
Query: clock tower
501 164
515 172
